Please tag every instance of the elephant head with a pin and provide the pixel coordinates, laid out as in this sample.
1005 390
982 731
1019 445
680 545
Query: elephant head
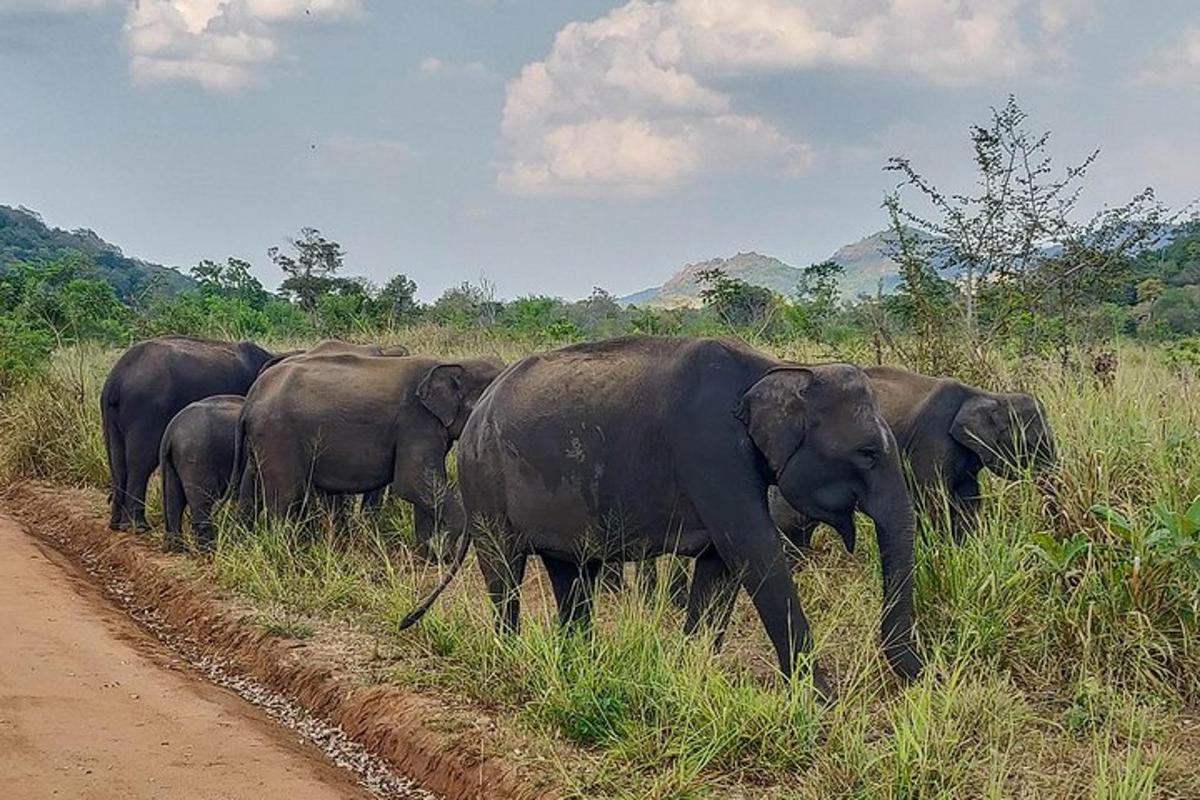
1008 432
450 391
820 431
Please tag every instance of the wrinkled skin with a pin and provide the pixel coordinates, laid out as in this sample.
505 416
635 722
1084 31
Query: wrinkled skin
196 460
150 384
949 432
344 423
341 504
635 447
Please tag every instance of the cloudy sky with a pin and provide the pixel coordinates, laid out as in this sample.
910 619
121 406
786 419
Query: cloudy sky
555 145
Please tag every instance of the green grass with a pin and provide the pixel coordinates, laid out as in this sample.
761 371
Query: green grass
1063 642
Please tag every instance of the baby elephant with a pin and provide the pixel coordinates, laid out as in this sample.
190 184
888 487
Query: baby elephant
196 459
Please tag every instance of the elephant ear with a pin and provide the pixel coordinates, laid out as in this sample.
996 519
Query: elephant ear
774 413
441 392
981 425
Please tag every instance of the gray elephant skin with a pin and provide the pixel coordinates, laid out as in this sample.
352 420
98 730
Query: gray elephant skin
151 383
949 432
196 460
634 447
345 423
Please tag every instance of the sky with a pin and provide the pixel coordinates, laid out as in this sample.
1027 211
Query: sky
553 145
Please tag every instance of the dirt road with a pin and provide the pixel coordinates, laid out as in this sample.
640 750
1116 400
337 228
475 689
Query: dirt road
92 707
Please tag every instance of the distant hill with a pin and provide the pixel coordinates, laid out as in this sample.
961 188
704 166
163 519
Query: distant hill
863 261
25 237
683 288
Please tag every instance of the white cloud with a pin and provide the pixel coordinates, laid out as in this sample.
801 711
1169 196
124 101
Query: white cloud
219 44
1177 64
626 103
432 66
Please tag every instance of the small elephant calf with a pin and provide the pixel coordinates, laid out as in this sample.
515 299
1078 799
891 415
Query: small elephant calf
196 458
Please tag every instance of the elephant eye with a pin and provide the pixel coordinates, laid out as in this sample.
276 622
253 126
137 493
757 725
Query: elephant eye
868 455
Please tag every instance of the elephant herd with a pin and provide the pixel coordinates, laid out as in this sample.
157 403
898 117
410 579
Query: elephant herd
593 454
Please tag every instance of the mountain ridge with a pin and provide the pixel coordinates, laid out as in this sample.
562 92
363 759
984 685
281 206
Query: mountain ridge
866 269
25 236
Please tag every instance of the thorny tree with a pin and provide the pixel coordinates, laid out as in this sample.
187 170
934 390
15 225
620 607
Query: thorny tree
1014 239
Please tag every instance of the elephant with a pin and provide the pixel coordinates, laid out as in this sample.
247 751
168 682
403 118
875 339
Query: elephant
341 505
150 383
626 449
345 423
949 432
196 460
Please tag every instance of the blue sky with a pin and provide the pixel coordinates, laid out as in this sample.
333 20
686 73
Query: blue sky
554 146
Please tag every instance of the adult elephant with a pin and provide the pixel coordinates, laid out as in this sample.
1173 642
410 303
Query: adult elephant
949 432
634 447
344 423
150 383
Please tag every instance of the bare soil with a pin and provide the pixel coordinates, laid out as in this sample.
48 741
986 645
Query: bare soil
400 743
91 706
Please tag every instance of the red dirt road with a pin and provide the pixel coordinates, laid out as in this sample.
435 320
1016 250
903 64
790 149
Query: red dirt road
92 707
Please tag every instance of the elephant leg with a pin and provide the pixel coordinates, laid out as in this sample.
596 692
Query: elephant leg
203 528
249 494
174 499
420 478
965 506
713 594
647 578
503 569
141 459
574 590
372 502
747 540
118 477
677 587
424 530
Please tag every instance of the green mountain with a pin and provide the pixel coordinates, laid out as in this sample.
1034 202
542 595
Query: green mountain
25 237
863 261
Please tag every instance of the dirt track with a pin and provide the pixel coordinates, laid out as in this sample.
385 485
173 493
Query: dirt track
93 707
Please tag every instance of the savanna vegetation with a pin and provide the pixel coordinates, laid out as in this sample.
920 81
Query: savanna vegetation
1062 641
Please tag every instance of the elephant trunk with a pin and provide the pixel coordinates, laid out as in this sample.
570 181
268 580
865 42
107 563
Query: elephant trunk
889 506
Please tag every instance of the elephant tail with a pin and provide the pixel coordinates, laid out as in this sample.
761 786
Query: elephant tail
460 555
239 457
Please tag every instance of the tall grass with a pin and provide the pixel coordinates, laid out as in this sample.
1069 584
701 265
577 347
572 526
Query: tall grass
1063 641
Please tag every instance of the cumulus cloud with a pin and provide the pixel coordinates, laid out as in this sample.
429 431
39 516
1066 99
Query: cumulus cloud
1178 64
627 103
219 44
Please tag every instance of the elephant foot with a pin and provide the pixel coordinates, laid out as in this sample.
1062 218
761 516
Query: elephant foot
173 544
822 685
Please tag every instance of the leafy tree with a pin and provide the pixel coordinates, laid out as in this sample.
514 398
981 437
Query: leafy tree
396 303
817 295
738 303
310 268
467 305
232 279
